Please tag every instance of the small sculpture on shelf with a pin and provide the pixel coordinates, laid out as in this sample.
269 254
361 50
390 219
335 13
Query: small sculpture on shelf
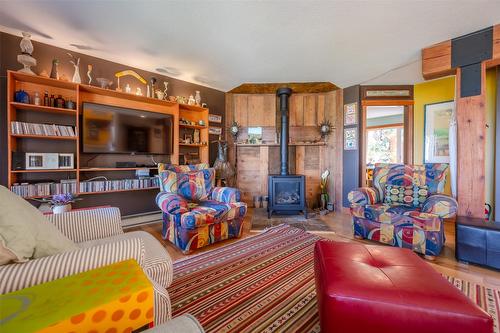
196 136
160 94
54 72
191 100
89 73
165 83
76 65
127 72
25 57
197 98
128 89
138 91
104 83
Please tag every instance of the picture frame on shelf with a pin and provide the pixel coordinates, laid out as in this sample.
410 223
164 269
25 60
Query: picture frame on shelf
213 130
214 118
437 118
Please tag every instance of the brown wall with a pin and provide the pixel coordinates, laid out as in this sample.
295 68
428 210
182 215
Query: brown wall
129 203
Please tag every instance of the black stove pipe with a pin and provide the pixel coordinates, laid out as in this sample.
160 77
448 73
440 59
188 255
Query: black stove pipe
284 94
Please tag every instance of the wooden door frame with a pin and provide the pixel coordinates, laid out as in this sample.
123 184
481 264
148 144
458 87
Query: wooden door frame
408 132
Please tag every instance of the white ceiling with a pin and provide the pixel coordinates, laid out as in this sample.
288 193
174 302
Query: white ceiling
224 43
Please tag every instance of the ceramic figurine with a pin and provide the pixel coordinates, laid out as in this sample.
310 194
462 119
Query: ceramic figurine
76 64
138 91
191 100
159 94
54 73
104 83
197 98
25 57
89 72
165 90
128 90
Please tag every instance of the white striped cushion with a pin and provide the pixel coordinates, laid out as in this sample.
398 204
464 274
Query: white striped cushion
89 224
18 276
157 261
162 306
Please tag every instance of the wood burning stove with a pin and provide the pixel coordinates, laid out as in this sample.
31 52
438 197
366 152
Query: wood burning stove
286 192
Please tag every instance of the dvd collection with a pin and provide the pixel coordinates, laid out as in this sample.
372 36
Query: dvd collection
19 127
26 190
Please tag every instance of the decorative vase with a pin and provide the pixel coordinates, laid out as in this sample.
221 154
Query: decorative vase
61 209
197 98
25 58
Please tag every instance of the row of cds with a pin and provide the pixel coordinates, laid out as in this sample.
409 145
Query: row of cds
120 184
26 190
19 127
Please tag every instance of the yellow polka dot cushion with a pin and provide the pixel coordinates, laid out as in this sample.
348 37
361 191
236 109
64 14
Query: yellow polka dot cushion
412 195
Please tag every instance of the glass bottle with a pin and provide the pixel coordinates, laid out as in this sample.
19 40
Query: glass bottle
46 101
36 100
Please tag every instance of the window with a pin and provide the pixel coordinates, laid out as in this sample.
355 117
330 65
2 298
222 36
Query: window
385 145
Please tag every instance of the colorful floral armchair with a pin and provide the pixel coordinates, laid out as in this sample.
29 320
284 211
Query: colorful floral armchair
195 212
417 223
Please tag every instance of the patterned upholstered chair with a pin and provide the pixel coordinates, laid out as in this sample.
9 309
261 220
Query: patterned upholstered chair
98 234
195 212
409 217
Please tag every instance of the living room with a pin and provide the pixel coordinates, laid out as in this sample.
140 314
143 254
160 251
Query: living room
253 166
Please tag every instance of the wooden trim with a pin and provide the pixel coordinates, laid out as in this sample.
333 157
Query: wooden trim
395 125
386 102
362 147
436 61
408 134
297 87
366 89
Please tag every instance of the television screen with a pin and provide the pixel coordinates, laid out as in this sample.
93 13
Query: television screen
111 129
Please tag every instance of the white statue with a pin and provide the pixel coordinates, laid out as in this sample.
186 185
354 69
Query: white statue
128 90
76 64
138 92
25 57
165 90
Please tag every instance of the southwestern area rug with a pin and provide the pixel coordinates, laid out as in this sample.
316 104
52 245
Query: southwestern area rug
265 283
313 224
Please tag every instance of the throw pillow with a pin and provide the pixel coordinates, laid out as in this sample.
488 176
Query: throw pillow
168 181
196 185
25 232
412 195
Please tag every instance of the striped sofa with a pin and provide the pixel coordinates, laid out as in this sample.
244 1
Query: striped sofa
99 235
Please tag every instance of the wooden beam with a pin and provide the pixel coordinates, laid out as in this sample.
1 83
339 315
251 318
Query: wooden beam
297 87
471 120
436 61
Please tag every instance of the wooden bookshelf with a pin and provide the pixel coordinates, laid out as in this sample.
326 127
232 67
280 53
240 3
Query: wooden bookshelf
80 93
40 108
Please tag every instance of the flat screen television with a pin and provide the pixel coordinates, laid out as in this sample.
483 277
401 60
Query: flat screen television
110 129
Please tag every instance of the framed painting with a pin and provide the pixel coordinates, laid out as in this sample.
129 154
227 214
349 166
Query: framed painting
350 114
437 118
350 138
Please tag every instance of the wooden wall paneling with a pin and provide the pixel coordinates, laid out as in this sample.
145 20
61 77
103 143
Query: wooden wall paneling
255 110
297 87
471 120
436 60
263 169
320 109
270 101
297 110
248 172
310 111
496 42
241 109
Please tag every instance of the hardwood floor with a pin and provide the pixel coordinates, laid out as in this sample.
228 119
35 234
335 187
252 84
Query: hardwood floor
340 223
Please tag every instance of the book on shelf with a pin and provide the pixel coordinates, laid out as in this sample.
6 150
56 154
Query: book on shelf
19 127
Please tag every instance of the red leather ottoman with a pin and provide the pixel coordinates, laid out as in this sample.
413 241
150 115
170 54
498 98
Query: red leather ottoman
380 289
